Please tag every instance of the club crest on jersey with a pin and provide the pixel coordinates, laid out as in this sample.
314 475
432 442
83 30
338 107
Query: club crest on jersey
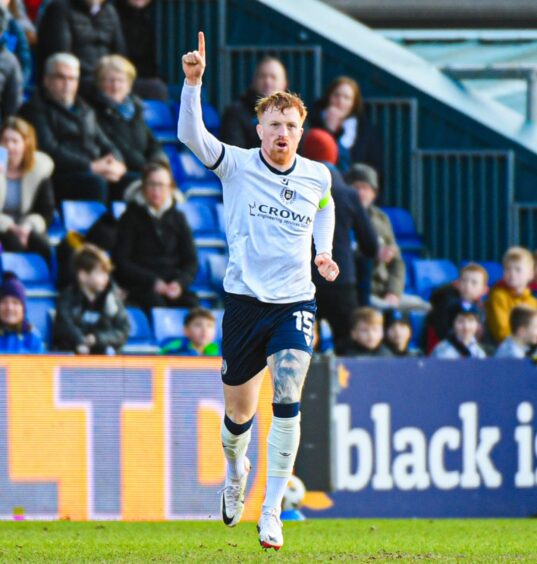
287 195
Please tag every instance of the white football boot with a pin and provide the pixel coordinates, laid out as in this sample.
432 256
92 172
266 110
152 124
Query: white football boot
270 530
232 500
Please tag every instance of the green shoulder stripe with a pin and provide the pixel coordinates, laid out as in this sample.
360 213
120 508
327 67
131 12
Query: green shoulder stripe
324 202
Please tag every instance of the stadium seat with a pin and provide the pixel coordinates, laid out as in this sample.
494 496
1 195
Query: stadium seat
218 315
56 231
141 340
326 339
202 283
417 322
192 170
211 117
202 221
160 120
40 314
79 216
168 322
429 274
494 270
217 269
33 272
404 228
118 208
220 219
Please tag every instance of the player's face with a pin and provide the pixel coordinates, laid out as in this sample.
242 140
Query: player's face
201 332
280 133
472 286
342 98
270 78
465 328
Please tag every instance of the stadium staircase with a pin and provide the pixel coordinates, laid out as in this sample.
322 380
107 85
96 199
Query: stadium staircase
464 165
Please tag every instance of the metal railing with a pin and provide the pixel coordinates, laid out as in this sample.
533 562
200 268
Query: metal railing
237 68
525 225
463 202
397 122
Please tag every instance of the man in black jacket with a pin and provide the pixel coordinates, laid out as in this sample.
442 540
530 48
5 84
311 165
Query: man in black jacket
239 119
86 161
155 254
89 29
336 301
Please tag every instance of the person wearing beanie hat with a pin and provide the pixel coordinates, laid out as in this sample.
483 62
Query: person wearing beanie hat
16 334
388 271
398 333
11 82
337 301
462 341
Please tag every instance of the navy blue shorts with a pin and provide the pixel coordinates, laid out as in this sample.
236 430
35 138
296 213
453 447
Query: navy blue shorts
252 331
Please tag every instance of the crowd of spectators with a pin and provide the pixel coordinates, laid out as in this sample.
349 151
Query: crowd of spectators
72 87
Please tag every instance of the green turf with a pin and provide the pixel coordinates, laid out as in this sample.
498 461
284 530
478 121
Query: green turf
366 540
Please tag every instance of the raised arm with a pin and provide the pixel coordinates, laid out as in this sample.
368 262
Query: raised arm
191 130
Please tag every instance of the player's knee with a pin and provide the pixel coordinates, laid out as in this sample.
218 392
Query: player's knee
238 417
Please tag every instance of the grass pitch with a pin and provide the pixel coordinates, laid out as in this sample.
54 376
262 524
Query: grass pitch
364 540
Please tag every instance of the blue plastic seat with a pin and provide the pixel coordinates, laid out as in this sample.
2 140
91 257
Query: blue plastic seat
429 274
326 338
404 228
191 169
217 269
211 117
118 208
202 221
81 215
39 312
56 231
218 316
159 118
220 219
494 270
33 272
417 321
141 340
168 322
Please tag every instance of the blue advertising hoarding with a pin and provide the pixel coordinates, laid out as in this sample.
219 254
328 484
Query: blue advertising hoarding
431 438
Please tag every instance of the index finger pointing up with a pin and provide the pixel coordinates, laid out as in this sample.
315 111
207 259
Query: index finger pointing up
201 43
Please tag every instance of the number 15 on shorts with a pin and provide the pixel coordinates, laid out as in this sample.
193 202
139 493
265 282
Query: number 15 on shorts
304 323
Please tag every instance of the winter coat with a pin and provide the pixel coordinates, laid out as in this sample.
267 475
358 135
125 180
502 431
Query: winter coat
10 83
67 26
149 248
72 138
139 31
239 121
18 44
132 137
351 348
37 199
23 342
105 318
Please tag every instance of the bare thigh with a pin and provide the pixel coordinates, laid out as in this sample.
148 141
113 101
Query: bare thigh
288 368
241 401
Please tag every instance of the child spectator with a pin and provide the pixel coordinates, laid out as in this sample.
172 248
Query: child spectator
398 334
462 342
90 317
512 290
523 339
16 335
471 287
366 336
199 339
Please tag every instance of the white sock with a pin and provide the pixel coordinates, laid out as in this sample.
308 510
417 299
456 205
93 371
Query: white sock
283 441
235 447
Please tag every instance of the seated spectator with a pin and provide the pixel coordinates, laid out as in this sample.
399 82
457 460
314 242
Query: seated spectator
121 114
15 40
199 339
523 339
471 288
88 165
398 334
90 315
388 273
138 27
11 81
367 333
512 290
88 29
239 119
155 254
17 336
337 300
17 9
26 196
462 341
341 112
